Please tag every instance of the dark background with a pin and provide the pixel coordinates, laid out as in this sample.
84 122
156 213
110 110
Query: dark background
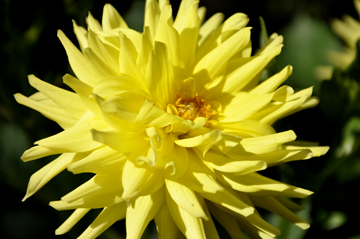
29 45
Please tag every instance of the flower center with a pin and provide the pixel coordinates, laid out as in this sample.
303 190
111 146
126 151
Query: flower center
191 108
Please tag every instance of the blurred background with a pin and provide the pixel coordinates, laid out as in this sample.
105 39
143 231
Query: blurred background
29 45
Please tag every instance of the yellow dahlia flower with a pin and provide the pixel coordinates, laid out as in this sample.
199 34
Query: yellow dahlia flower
174 125
348 30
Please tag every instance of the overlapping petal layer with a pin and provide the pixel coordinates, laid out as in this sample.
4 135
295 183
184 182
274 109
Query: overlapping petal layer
174 123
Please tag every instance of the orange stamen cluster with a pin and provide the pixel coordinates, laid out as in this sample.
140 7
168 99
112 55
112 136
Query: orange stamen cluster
192 108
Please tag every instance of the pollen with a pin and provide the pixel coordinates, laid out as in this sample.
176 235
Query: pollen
191 108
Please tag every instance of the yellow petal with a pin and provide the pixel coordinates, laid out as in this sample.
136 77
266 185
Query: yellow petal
247 128
102 51
209 226
81 35
106 218
229 142
223 163
42 98
290 204
265 144
96 186
125 105
273 42
46 173
187 23
128 56
119 116
198 177
152 14
229 199
37 152
146 45
227 221
184 5
262 186
165 225
78 138
159 76
357 6
116 85
265 228
93 23
89 201
84 91
253 223
186 199
160 144
244 105
201 139
100 68
168 35
143 210
52 112
191 227
273 205
209 27
275 157
238 21
124 141
273 82
214 62
246 69
201 12
176 163
102 160
140 181
278 110
79 64
214 39
151 115
66 100
316 151
253 232
111 18
71 221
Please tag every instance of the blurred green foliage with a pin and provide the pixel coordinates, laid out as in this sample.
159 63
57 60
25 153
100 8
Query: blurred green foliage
28 45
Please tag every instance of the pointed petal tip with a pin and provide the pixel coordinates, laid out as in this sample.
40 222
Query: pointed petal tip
25 197
303 193
325 149
303 225
60 33
18 97
59 232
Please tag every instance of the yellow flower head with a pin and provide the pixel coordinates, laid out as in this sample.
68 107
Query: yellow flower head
348 30
174 123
